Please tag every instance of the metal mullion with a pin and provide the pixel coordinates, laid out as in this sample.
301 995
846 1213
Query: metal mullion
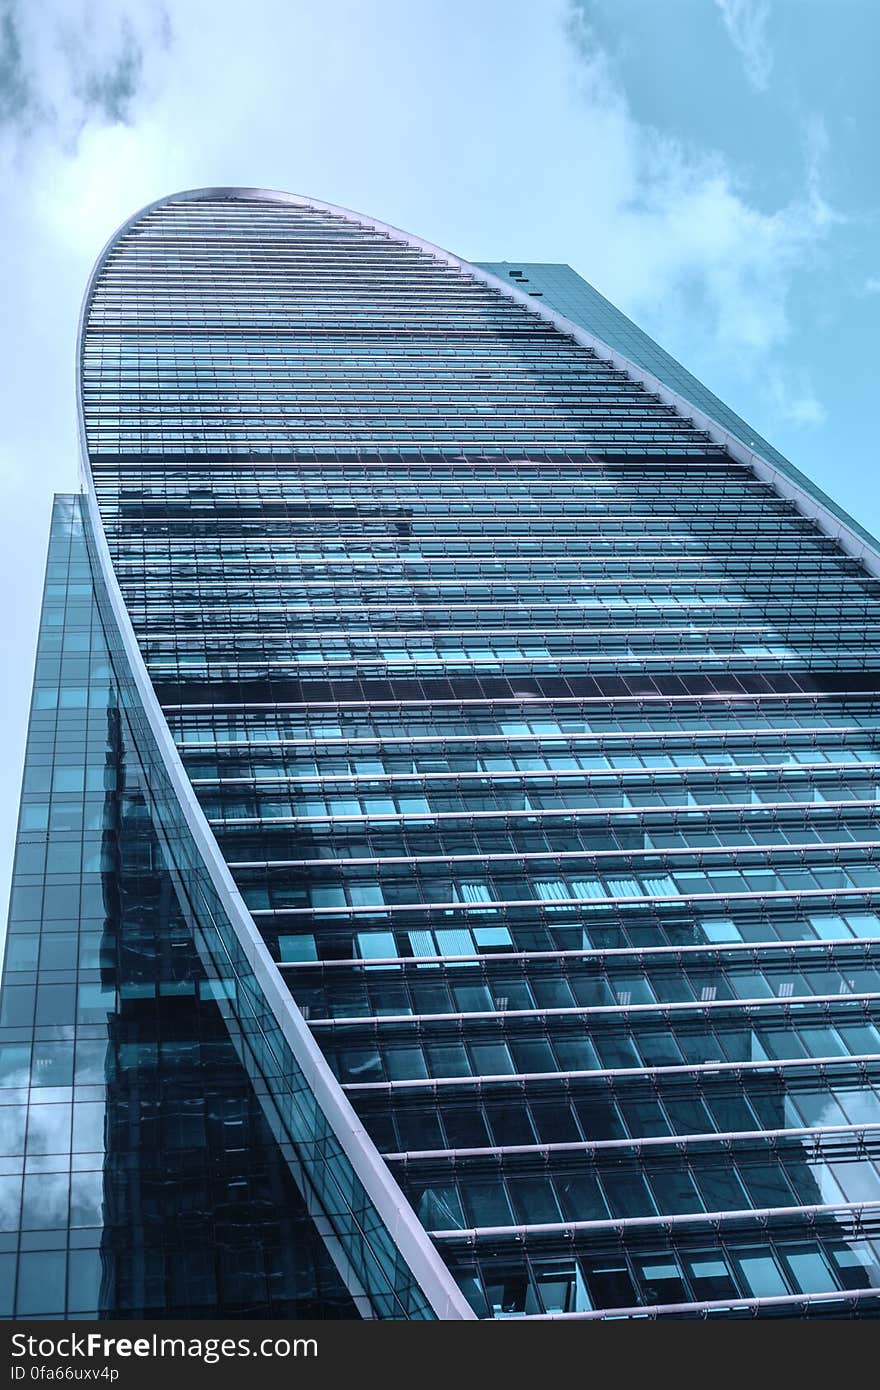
494 906
732 1304
693 1070
421 819
671 1221
425 633
510 777
558 741
802 1003
597 954
540 702
618 663
600 1146
630 858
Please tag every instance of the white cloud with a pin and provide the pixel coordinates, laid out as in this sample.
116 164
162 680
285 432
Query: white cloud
65 63
746 22
516 143
872 285
675 238
795 405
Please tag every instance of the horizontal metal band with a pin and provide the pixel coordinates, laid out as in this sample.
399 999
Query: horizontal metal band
793 950
687 1069
801 1003
624 1224
722 1306
488 906
673 1142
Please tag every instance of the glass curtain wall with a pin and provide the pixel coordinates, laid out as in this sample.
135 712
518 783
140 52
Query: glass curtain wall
139 1175
541 739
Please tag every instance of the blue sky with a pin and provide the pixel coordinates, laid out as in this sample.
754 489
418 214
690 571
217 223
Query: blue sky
710 165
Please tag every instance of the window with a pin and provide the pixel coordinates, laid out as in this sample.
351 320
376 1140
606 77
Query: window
760 1274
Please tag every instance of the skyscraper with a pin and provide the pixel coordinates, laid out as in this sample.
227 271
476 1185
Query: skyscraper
447 877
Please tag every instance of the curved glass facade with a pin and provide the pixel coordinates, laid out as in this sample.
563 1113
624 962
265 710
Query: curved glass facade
141 1174
539 737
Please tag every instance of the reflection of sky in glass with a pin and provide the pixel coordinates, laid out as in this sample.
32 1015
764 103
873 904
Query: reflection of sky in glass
729 1055
111 927
48 1128
828 1188
45 1201
10 1202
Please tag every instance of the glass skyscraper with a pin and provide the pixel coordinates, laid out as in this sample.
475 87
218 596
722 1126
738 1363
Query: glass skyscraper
447 876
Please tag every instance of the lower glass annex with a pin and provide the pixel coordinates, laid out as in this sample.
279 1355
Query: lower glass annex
139 1174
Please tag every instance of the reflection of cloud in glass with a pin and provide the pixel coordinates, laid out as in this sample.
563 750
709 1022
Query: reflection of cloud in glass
859 1266
48 1129
88 1127
45 1201
10 1202
858 1179
87 1199
830 1114
53 1064
862 1106
16 1064
12 1123
91 1062
829 1188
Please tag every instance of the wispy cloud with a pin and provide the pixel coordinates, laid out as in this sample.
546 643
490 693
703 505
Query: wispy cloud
537 155
689 252
66 63
817 149
747 22
683 236
795 404
872 285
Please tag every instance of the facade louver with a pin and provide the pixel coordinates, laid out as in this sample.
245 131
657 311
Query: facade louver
447 876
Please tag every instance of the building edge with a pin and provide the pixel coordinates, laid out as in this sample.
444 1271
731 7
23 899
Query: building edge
410 1238
789 482
688 382
429 1272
